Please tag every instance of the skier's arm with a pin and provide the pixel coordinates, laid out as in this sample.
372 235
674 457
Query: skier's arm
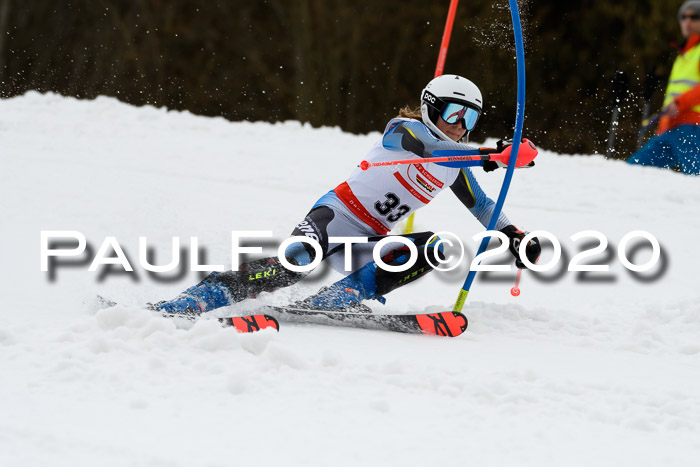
684 102
467 189
470 193
413 136
688 99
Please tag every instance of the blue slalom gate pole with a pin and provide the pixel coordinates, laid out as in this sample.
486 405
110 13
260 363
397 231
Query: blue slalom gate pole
517 136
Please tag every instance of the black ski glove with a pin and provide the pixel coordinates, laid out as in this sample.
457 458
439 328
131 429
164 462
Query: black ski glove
490 166
532 250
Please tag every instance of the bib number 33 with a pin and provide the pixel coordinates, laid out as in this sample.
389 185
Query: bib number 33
390 208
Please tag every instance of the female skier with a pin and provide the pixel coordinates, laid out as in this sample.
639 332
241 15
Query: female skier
369 204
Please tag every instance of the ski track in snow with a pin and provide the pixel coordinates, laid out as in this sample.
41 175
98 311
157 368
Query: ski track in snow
575 371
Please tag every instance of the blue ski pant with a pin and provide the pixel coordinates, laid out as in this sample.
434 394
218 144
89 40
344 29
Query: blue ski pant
678 148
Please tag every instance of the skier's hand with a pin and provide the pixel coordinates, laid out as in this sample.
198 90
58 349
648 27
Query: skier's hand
490 166
532 250
671 109
500 147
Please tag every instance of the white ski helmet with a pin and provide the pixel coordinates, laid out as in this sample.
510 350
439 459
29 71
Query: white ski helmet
451 89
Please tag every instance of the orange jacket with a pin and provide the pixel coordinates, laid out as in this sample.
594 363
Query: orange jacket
686 101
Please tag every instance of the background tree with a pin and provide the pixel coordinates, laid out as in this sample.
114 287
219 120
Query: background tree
350 64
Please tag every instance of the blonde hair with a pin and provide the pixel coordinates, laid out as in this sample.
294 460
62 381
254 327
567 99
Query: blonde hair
408 112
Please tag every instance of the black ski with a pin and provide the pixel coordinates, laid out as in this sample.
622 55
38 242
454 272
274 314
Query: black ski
445 323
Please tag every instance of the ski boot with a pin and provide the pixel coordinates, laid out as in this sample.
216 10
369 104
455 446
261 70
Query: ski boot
221 289
207 295
370 282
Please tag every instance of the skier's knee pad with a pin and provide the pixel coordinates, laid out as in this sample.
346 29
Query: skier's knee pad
263 275
314 226
388 280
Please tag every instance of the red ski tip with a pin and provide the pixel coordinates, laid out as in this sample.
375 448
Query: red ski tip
447 323
254 323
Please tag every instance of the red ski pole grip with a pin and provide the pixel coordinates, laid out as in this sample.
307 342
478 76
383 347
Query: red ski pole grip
526 154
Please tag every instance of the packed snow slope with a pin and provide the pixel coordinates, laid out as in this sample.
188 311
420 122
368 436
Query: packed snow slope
582 369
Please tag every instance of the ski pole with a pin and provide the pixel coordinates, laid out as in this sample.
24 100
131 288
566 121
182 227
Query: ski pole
651 121
364 165
651 80
620 91
515 291
526 155
645 118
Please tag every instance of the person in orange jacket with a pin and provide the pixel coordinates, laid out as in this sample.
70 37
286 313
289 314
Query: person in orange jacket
677 141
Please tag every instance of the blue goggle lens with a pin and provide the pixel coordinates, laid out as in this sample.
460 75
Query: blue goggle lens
453 113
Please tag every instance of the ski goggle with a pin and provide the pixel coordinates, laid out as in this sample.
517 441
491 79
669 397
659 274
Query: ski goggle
453 112
693 17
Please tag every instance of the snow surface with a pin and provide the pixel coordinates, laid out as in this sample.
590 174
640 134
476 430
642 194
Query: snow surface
596 369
